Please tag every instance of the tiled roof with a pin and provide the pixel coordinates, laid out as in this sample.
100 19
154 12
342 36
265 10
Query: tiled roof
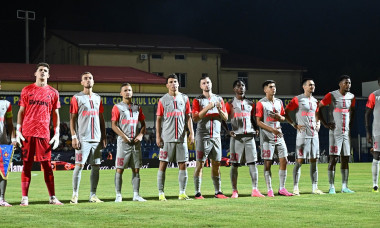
86 39
249 62
71 73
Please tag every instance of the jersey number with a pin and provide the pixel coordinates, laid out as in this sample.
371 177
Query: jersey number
163 154
78 157
120 161
234 157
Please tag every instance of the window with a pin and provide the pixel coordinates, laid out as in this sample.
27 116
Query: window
204 75
204 57
179 56
182 79
244 77
159 74
156 56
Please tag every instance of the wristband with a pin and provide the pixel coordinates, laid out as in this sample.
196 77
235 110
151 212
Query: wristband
74 137
18 127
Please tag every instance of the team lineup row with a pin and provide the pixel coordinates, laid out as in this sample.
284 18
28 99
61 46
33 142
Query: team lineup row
174 129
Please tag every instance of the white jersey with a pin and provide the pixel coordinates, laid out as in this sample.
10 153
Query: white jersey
5 112
374 104
88 109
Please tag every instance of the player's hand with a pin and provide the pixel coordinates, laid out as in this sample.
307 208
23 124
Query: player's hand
126 139
104 141
277 132
300 128
210 106
257 132
55 141
232 134
14 141
318 127
19 138
190 139
138 138
159 142
218 105
276 116
75 143
330 126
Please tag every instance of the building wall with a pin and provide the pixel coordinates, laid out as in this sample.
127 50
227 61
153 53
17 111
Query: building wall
287 82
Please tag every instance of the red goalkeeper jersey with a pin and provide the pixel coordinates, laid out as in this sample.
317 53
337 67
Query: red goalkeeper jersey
39 102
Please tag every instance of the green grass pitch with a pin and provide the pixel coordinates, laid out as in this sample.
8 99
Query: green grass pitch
361 209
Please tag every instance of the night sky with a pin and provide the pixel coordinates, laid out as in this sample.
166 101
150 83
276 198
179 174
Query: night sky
329 38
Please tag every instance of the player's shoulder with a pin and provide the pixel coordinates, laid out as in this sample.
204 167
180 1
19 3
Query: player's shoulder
52 89
350 95
96 95
376 92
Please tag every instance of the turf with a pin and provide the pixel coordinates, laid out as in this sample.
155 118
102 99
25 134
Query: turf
339 210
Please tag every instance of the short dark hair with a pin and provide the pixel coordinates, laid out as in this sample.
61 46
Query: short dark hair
125 84
43 65
343 77
305 80
204 77
171 76
85 73
237 81
267 82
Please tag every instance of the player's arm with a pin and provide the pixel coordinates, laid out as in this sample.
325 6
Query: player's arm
326 101
20 119
56 123
11 129
142 131
159 141
119 132
264 126
317 121
190 127
74 139
103 130
197 116
225 127
222 111
367 116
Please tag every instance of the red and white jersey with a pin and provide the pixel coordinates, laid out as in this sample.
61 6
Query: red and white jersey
264 108
127 117
174 111
241 113
210 125
5 112
374 104
88 109
306 109
339 110
39 102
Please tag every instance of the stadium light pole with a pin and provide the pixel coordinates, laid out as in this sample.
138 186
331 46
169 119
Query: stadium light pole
26 15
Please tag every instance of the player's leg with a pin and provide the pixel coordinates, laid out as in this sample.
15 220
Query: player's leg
344 169
165 153
297 175
267 151
3 186
28 152
202 149
135 164
49 181
216 156
333 152
118 184
94 160
182 156
77 174
282 172
234 168
301 153
375 170
314 156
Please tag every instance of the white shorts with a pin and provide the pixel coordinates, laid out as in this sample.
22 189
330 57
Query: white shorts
339 144
375 143
243 150
128 155
90 151
174 152
269 148
208 148
307 148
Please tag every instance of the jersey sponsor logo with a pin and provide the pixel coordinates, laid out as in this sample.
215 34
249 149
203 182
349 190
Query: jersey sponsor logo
344 110
125 121
242 114
304 113
169 114
37 102
90 113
